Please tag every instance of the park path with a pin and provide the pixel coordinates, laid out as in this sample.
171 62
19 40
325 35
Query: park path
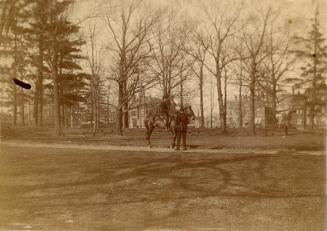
104 147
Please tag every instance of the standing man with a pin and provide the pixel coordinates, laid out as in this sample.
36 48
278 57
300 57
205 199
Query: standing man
181 128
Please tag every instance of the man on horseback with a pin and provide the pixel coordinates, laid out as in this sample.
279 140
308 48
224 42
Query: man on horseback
165 108
157 119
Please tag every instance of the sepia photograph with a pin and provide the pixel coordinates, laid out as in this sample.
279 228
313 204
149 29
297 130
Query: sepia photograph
163 115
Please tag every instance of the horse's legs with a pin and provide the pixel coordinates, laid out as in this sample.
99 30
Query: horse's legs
147 133
178 135
174 138
149 136
147 129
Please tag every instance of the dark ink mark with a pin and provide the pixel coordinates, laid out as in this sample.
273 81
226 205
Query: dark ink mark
22 84
314 55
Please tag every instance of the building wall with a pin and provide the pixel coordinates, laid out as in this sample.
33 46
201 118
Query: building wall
137 117
139 113
301 116
233 113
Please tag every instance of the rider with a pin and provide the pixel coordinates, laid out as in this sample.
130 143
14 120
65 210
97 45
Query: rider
165 108
164 105
181 127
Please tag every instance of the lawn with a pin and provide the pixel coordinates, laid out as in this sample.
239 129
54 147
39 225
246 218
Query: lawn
66 189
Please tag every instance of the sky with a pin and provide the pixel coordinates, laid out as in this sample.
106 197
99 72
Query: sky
296 12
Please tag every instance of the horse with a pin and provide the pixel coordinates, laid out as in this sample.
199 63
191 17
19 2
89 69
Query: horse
157 121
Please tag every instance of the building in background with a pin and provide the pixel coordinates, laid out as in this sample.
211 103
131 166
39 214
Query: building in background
233 112
300 114
141 107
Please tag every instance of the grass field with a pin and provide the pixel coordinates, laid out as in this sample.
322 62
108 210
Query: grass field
65 189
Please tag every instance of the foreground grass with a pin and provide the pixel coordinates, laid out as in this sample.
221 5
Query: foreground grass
60 189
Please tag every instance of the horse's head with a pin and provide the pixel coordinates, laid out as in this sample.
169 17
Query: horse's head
189 112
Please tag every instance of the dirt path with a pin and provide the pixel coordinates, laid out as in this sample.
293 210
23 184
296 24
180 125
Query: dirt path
156 149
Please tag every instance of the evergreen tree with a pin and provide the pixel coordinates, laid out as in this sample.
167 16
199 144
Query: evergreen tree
13 53
61 56
71 78
39 12
314 53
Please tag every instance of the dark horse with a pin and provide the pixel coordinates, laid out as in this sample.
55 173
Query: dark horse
156 120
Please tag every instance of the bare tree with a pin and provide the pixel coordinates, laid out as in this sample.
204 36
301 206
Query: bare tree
95 67
168 57
198 50
239 81
254 38
274 68
185 74
222 26
130 53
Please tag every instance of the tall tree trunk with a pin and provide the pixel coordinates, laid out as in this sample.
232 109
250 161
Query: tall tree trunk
15 104
120 111
40 105
225 100
15 76
274 106
201 97
220 99
57 120
120 121
240 106
125 101
18 94
29 114
211 103
98 114
225 103
56 93
55 73
39 83
94 109
71 116
252 112
181 99
125 115
304 119
22 108
252 100
108 108
64 124
313 91
35 108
